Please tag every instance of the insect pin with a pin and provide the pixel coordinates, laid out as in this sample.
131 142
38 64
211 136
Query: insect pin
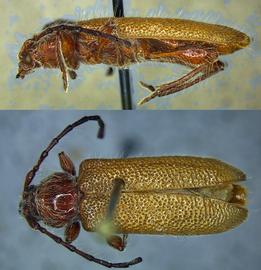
121 42
167 195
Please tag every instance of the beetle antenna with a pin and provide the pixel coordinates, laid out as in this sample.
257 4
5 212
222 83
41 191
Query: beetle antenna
88 31
35 225
31 174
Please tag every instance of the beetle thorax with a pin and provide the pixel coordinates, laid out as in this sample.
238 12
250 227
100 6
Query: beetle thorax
56 200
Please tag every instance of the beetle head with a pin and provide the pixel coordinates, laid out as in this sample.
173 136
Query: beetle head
27 58
54 200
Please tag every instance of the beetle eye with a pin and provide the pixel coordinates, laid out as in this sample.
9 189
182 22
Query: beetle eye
20 209
28 59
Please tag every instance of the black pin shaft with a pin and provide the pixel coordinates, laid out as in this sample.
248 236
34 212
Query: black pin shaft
124 74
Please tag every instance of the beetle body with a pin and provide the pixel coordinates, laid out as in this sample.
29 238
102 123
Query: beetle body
123 41
178 195
163 195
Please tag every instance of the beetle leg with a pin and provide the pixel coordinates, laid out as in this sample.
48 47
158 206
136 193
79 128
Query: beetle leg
117 242
36 226
68 58
188 80
72 231
66 163
61 62
183 79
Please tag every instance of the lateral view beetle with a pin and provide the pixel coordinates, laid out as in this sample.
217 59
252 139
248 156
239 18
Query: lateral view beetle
175 195
121 42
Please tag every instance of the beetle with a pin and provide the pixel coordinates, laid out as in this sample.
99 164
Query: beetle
121 42
174 195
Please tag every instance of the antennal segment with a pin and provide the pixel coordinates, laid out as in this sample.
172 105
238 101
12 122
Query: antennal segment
31 174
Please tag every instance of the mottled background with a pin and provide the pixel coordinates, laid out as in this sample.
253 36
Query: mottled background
237 87
233 137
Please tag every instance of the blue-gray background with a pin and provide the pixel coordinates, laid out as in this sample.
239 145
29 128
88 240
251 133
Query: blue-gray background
234 137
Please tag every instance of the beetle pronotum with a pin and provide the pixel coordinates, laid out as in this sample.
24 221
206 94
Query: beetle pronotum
123 41
178 195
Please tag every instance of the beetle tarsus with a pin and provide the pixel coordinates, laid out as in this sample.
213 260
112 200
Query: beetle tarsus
147 99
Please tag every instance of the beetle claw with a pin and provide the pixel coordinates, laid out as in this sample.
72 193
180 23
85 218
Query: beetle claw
148 86
72 74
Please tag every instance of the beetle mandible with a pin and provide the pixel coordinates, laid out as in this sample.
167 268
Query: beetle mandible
121 42
175 195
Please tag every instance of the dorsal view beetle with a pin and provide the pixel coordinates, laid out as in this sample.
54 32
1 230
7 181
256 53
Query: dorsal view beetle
121 42
168 195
